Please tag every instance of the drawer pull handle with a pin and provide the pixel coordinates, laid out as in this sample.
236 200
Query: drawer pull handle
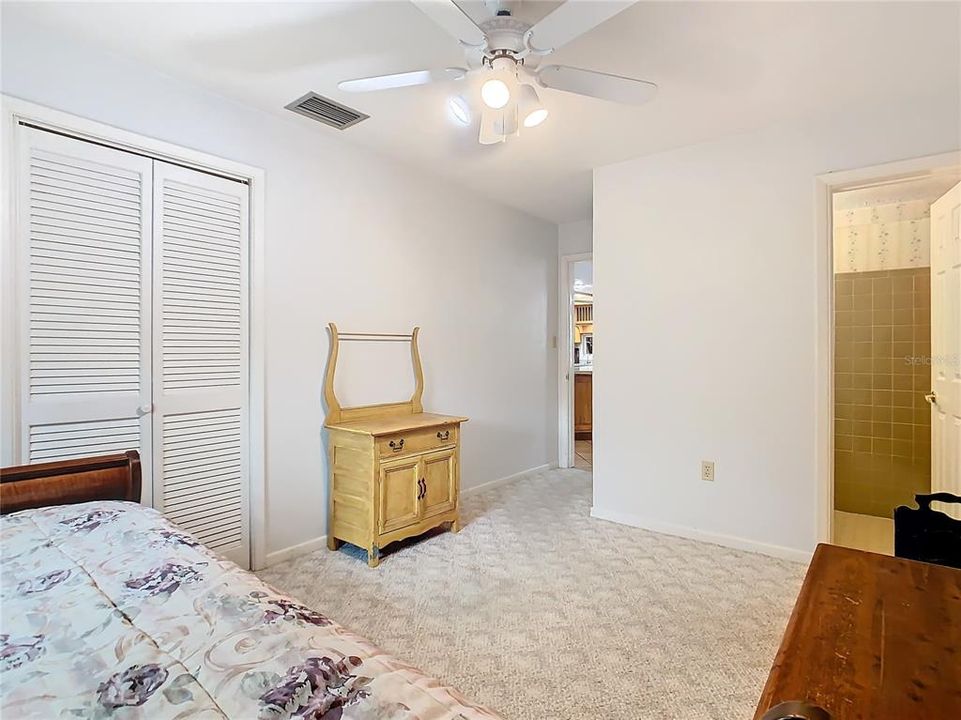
795 710
443 435
422 484
396 445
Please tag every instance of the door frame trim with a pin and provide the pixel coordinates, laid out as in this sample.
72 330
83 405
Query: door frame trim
565 357
14 111
825 186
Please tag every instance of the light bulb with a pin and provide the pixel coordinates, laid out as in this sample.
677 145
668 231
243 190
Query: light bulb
531 110
495 93
536 118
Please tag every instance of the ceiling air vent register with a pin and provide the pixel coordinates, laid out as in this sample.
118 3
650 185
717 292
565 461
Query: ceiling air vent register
325 110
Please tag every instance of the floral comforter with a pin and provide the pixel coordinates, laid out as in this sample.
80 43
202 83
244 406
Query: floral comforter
109 611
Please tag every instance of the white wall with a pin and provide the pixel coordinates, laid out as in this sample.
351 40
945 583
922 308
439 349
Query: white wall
705 262
354 239
575 237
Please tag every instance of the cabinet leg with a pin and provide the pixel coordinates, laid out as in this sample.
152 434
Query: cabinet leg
373 556
455 526
332 542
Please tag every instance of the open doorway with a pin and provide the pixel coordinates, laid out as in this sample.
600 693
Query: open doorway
895 303
582 348
576 362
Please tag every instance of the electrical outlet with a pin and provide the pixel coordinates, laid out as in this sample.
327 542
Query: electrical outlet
707 470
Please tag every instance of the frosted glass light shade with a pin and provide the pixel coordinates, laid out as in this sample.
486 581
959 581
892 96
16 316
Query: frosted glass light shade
495 93
459 110
531 111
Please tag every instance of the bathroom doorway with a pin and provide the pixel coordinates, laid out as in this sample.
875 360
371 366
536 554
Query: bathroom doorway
882 352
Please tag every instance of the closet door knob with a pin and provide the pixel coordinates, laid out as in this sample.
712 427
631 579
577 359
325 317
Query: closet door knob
144 410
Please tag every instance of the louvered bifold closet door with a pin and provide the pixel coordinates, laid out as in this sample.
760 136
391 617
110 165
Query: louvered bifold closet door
200 356
84 214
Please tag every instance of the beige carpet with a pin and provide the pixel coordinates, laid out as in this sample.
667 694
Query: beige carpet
542 612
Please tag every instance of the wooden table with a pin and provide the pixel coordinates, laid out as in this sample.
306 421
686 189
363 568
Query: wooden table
872 638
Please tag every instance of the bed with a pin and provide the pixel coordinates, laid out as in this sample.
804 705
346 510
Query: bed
107 610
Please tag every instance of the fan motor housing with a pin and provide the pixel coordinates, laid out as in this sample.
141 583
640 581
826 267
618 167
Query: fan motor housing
504 33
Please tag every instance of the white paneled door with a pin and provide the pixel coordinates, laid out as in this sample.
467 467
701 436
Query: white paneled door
946 343
84 246
134 325
199 356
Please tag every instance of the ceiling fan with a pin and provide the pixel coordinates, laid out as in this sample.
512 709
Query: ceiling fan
503 54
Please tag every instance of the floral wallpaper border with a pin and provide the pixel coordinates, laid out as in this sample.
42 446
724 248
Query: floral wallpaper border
883 237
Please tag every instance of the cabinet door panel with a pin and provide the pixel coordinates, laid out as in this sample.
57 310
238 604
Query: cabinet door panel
439 472
583 400
398 494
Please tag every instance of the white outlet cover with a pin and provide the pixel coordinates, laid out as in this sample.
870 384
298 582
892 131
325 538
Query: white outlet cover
707 470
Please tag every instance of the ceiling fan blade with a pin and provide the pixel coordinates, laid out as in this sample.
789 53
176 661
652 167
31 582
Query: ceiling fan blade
399 80
474 57
596 84
572 19
452 19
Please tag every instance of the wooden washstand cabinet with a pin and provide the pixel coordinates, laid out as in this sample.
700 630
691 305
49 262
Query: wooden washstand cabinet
394 470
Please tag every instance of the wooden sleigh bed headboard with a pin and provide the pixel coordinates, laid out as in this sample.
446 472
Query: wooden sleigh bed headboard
108 477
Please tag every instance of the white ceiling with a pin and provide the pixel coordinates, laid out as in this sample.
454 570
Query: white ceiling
722 67
929 188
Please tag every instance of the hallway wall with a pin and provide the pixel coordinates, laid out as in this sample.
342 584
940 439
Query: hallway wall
709 270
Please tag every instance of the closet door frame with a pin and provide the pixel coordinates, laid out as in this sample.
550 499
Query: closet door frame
15 113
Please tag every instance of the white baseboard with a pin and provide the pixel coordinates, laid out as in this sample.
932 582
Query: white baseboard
731 541
288 553
504 480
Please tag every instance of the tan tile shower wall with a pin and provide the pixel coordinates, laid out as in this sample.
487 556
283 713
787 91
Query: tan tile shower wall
882 371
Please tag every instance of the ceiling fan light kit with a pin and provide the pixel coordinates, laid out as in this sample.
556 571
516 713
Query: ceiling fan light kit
495 92
503 54
506 123
531 109
488 134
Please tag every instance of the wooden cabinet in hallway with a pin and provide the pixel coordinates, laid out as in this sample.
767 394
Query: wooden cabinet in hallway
583 410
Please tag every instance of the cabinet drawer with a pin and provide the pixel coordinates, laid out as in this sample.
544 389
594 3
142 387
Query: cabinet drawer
417 441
